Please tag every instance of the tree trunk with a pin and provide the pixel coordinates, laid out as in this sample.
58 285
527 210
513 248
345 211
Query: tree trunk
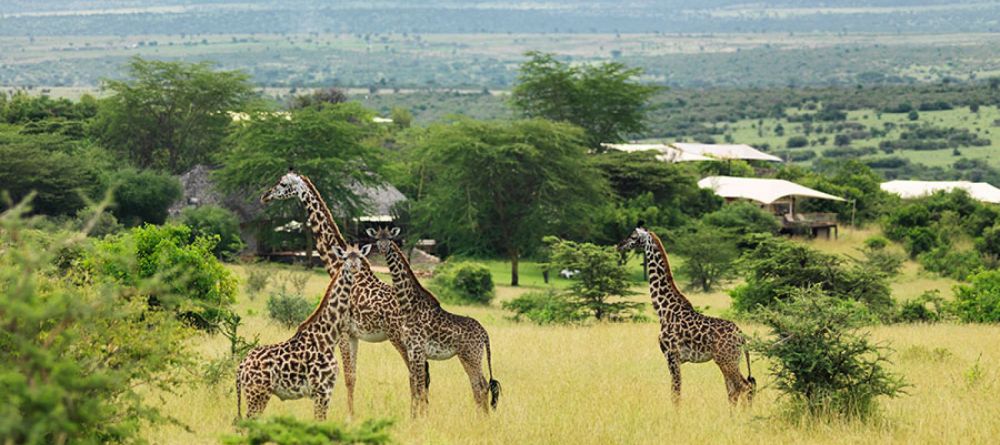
513 268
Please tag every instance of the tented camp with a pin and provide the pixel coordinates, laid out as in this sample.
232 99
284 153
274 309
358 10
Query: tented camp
726 151
980 191
667 153
778 197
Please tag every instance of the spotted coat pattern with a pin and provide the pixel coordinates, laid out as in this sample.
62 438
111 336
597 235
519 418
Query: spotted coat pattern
685 334
375 315
304 365
433 333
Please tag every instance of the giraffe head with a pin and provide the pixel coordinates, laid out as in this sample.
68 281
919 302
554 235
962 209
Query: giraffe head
290 185
638 239
383 237
353 257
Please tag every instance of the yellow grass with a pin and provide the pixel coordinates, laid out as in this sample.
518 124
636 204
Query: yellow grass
608 384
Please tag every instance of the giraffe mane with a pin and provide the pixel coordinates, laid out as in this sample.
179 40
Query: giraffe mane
666 264
338 237
413 278
322 304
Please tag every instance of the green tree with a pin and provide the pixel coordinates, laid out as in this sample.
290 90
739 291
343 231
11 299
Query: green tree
979 301
709 256
60 180
213 221
143 196
170 115
604 99
319 98
498 187
599 278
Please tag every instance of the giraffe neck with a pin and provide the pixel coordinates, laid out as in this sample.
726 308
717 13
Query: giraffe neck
667 299
324 228
329 318
409 292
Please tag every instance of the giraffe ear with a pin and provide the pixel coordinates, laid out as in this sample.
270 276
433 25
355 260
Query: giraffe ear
394 232
370 232
365 249
339 252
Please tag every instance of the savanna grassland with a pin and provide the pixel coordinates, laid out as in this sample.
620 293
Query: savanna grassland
608 383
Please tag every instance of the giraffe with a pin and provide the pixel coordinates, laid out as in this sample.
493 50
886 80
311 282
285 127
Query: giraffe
375 315
434 333
685 334
304 365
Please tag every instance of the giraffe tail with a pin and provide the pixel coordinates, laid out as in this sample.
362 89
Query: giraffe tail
753 381
239 393
494 384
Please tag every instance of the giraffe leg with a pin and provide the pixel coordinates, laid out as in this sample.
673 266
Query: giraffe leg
321 402
257 399
349 354
674 363
736 385
473 364
416 364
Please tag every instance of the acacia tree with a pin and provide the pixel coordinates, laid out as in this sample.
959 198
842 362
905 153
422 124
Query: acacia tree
605 99
170 115
498 187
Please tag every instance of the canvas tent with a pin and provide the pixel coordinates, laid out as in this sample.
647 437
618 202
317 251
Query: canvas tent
980 191
667 153
725 151
764 191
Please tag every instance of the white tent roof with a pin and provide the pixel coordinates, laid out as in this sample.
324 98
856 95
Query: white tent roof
668 153
980 191
726 151
764 191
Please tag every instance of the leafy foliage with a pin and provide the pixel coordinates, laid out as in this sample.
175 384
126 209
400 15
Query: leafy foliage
819 360
498 187
742 218
213 221
61 178
464 282
143 196
289 431
76 359
172 268
929 307
710 255
546 307
778 269
600 278
979 301
605 100
950 262
170 115
288 309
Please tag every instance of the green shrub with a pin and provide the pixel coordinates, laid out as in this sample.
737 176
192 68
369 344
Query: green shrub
257 279
920 240
143 196
184 274
288 309
927 308
216 221
951 262
979 301
819 360
989 243
709 254
879 257
776 269
289 431
548 307
78 361
464 283
600 278
742 218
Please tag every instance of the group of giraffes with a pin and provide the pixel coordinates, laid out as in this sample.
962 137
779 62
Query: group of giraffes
357 305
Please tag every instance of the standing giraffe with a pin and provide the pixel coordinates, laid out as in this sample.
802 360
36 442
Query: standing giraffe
685 334
304 365
434 333
375 315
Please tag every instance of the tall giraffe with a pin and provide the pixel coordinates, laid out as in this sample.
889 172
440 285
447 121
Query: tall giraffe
434 333
304 365
375 315
685 334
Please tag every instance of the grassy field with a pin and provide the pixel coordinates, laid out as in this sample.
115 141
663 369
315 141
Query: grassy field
608 383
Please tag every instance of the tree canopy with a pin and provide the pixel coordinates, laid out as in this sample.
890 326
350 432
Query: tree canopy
498 187
170 115
604 99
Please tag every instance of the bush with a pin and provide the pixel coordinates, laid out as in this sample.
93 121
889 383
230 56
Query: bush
929 307
78 361
289 431
989 243
778 269
257 279
213 221
879 257
979 301
57 178
143 196
184 274
742 218
464 283
797 142
548 307
819 360
288 309
601 277
951 262
709 254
